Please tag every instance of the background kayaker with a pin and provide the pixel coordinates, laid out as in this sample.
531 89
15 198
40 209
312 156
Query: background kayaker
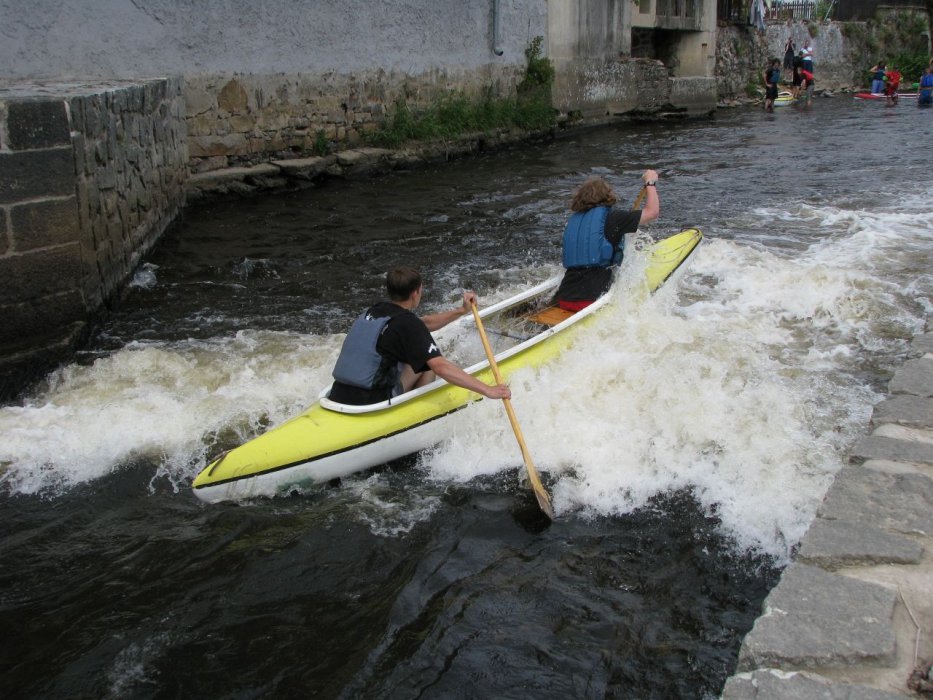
877 78
772 76
892 81
389 350
593 239
925 94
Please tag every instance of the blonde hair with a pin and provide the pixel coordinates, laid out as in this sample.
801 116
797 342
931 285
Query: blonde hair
595 192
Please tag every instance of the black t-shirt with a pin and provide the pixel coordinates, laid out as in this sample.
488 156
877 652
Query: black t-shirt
405 339
590 283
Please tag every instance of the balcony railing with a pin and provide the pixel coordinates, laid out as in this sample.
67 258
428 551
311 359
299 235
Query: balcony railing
678 14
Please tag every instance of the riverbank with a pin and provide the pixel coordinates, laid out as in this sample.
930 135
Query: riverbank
852 615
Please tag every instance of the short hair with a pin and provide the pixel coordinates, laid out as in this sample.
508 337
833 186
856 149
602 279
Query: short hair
401 281
595 192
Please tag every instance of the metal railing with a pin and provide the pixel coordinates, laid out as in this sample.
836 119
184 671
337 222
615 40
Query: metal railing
792 9
683 9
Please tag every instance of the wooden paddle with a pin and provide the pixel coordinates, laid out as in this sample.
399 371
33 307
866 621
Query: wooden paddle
544 500
640 198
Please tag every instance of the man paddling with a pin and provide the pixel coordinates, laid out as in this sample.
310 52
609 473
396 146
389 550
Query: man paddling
389 350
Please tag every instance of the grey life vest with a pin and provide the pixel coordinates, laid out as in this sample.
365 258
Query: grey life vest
359 363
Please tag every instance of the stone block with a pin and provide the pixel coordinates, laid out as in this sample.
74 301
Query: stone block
922 344
232 97
913 377
771 684
891 449
904 409
40 273
44 223
832 544
304 168
25 323
37 123
207 146
362 156
891 502
36 174
816 619
17 370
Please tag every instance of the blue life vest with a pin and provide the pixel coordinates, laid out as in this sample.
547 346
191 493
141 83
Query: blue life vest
774 76
359 363
585 242
926 81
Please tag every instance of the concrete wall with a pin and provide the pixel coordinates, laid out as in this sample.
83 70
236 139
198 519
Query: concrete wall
590 43
120 39
90 176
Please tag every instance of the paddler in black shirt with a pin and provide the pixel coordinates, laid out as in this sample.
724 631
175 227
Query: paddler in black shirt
389 350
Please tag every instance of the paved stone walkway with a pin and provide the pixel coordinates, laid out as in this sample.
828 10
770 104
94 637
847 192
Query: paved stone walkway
852 616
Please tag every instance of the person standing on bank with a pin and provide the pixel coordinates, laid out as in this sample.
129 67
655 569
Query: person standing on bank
806 53
789 52
389 350
593 239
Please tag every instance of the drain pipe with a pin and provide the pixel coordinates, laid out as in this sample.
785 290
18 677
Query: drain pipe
496 47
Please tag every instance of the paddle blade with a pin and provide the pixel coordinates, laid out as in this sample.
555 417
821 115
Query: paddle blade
544 500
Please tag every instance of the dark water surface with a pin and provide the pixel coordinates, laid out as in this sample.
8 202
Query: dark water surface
115 582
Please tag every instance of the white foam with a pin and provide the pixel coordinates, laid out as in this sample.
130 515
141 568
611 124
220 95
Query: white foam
163 401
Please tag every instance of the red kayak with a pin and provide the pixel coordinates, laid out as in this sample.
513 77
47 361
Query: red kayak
881 95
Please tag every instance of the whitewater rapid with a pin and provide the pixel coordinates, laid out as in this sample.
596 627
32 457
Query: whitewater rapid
744 383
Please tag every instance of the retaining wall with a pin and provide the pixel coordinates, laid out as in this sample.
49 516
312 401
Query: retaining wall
90 176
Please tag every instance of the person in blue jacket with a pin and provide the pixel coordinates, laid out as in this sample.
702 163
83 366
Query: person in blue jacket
925 96
389 350
593 239
877 78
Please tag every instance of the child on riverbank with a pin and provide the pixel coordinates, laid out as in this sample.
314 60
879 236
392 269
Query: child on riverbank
772 77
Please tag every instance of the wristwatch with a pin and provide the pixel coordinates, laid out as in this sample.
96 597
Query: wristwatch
651 183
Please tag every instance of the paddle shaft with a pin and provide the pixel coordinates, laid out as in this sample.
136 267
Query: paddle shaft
544 500
640 198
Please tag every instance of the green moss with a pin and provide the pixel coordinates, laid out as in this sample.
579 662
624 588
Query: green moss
321 146
453 114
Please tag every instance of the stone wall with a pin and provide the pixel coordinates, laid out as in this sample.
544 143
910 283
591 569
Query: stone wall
241 119
90 176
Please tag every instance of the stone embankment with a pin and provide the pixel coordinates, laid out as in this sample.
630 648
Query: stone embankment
852 617
296 173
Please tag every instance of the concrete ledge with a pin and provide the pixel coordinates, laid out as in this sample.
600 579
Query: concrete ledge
816 619
353 163
832 544
904 409
915 377
879 447
894 502
772 684
855 608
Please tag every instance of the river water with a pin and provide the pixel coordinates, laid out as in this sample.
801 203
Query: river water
687 439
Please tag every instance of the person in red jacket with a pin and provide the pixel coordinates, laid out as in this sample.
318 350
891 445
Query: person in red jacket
892 81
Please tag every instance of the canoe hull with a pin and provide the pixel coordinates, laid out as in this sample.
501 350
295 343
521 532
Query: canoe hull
330 441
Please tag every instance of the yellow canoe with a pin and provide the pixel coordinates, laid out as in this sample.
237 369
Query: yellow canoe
331 440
